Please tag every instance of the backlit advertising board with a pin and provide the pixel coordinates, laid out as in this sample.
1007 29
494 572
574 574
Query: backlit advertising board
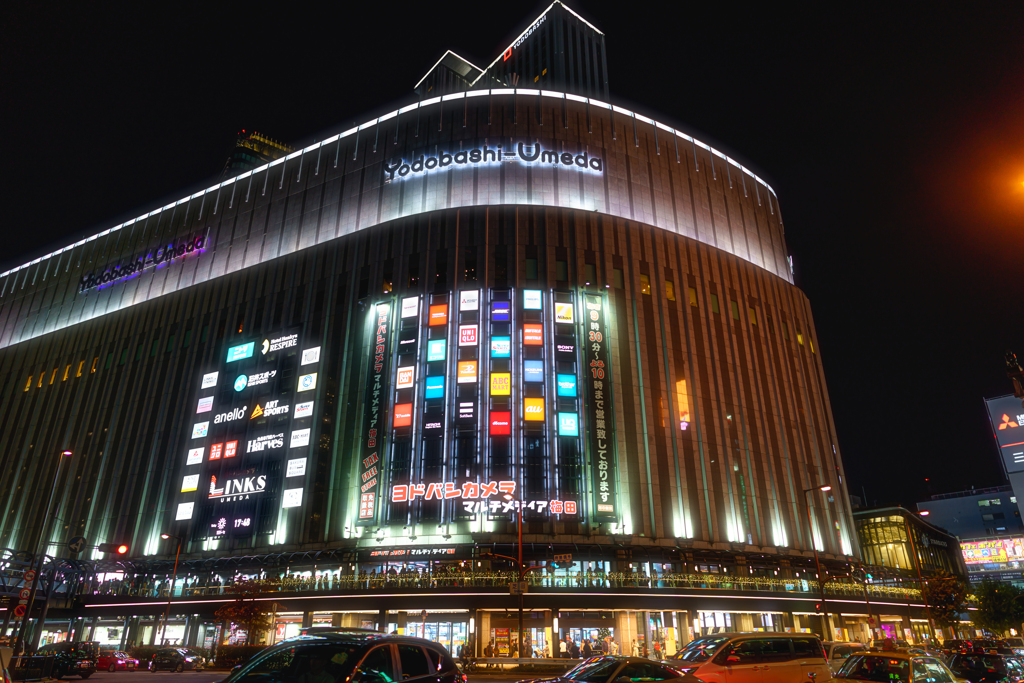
466 372
467 335
566 385
501 347
434 387
563 313
410 306
600 425
435 350
533 334
1007 416
241 351
1002 551
375 412
531 299
469 300
501 424
438 315
533 371
500 311
501 384
533 410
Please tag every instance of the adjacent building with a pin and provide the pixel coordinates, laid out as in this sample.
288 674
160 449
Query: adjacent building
353 372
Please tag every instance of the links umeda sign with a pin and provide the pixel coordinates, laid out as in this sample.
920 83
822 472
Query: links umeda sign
533 155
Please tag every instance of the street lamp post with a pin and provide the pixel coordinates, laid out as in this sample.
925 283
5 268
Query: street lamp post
817 563
40 556
170 592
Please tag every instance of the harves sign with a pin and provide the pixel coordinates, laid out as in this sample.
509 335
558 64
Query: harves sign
523 153
163 254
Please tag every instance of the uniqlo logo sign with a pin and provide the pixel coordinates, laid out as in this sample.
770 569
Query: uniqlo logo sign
230 449
467 335
403 415
501 424
533 335
223 450
216 451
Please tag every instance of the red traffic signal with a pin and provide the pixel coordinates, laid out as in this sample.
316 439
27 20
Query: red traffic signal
817 607
116 548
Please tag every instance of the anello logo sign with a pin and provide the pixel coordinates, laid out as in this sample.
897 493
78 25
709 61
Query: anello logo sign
528 154
164 254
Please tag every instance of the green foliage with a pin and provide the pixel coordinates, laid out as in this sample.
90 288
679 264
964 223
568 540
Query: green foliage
947 599
230 655
998 607
246 612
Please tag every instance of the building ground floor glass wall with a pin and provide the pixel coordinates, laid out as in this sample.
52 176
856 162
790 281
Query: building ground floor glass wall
643 632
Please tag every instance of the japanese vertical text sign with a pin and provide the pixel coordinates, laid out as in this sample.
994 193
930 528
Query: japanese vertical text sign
597 371
376 417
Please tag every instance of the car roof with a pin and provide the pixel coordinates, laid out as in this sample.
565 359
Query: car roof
892 654
358 636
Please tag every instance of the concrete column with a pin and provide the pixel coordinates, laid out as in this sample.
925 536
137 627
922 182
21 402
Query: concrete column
483 632
382 620
403 619
307 619
623 636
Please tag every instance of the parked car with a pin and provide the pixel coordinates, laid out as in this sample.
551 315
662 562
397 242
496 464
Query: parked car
1017 645
351 656
754 658
978 667
618 669
115 660
176 659
71 659
838 652
894 667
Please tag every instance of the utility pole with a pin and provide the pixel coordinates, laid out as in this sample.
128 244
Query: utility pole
826 624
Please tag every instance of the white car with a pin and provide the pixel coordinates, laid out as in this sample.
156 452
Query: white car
839 651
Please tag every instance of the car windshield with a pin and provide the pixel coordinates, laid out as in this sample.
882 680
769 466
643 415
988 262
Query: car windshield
876 668
595 670
980 664
301 659
1015 642
701 650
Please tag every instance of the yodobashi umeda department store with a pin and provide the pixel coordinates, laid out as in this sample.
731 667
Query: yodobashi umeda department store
351 373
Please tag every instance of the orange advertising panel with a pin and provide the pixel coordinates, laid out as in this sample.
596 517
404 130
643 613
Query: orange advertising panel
439 314
466 372
533 334
534 410
403 415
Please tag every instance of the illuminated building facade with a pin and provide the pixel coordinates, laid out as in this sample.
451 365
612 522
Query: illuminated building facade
253 149
331 371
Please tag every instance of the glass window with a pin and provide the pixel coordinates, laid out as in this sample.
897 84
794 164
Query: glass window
937 671
875 668
414 661
618 282
735 309
376 667
561 271
531 269
778 650
590 274
593 670
642 671
670 290
807 647
714 303
313 663
743 652
693 296
645 284
752 315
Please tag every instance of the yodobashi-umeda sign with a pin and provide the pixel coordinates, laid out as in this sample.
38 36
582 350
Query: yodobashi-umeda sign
521 153
149 259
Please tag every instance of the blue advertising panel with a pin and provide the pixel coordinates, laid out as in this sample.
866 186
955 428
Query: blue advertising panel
567 385
501 347
434 387
568 424
533 371
435 350
241 351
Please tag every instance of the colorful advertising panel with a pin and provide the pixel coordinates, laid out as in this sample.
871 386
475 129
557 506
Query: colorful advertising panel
566 385
434 387
531 299
501 424
435 350
501 384
533 410
467 335
375 420
406 377
438 315
600 425
501 347
501 311
410 306
466 372
469 300
533 334
533 371
999 551
403 415
1007 416
240 352
568 424
563 313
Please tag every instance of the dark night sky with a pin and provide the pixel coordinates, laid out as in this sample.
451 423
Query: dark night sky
893 135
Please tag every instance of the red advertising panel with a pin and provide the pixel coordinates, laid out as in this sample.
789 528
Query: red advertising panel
439 314
533 334
501 424
403 415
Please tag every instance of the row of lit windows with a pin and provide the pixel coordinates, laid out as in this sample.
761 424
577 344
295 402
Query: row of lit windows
154 349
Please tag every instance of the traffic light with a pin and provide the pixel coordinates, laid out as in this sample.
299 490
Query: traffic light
563 561
817 608
116 548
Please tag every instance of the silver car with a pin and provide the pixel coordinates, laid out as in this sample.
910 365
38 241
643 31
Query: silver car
838 652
